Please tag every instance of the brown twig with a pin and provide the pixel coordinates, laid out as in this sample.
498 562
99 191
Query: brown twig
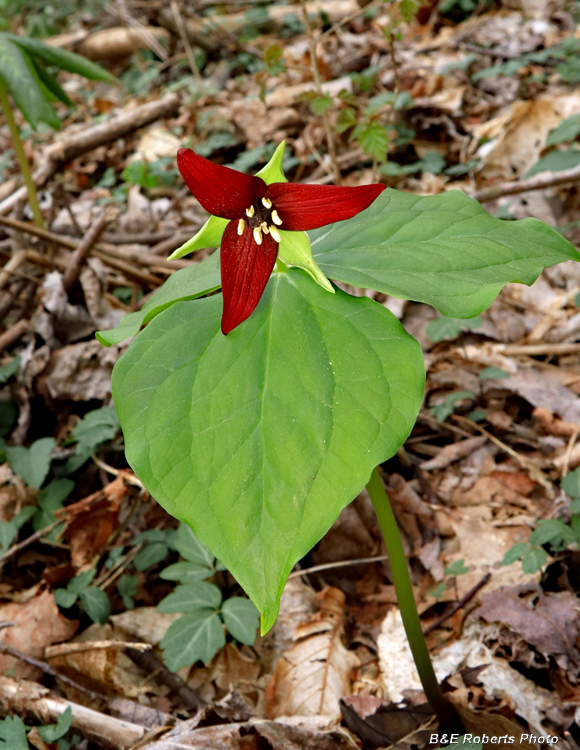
318 84
458 605
76 144
338 564
537 182
12 335
47 669
16 548
74 268
24 697
151 664
185 41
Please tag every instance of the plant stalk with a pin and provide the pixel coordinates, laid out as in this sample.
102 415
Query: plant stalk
21 156
445 712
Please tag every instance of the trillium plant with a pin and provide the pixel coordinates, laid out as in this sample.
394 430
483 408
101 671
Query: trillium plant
256 414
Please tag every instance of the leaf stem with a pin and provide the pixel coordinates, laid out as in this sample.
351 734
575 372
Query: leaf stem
21 156
445 712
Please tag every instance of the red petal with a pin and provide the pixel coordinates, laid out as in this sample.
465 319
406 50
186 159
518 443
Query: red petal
311 206
220 190
245 269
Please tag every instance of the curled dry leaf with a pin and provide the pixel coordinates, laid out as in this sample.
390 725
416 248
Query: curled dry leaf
314 673
104 670
37 624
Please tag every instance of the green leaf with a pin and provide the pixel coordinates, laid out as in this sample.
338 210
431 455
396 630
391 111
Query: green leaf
192 638
8 417
62 59
191 549
81 581
321 104
31 464
50 84
186 572
9 370
444 410
8 533
457 568
191 597
17 72
50 500
550 530
493 373
571 483
127 588
295 252
534 560
242 619
515 553
274 428
96 604
445 250
13 734
54 732
346 119
444 328
96 427
373 139
150 555
65 598
433 162
567 130
556 161
187 283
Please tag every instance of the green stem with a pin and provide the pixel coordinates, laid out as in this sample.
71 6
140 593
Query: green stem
444 711
21 156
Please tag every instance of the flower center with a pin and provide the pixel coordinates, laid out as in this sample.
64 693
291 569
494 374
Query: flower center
261 217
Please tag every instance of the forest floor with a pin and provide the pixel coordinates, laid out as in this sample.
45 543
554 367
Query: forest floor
481 97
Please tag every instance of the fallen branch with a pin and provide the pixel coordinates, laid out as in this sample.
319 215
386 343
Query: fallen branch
71 145
537 182
24 698
47 669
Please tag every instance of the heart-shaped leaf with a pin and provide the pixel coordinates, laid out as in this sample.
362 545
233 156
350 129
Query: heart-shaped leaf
258 440
445 250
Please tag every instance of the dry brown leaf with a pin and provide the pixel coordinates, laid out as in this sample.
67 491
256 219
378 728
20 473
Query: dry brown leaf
103 670
37 624
548 622
144 624
313 674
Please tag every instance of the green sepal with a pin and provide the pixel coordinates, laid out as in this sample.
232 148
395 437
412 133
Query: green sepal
273 171
295 251
210 235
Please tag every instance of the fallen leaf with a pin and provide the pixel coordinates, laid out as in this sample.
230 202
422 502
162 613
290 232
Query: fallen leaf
37 624
314 673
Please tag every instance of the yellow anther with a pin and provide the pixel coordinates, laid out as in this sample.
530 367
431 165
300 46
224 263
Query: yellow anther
264 228
241 226
266 202
258 235
275 233
250 211
275 218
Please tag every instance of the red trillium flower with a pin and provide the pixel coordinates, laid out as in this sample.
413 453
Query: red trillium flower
257 213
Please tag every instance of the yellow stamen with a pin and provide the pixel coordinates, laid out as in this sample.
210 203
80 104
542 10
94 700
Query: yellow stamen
241 226
275 218
264 228
258 235
275 233
266 202
250 211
